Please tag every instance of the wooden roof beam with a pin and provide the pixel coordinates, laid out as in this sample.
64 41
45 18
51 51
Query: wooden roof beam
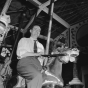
46 10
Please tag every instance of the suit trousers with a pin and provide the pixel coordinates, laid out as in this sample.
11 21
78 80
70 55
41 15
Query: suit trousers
30 69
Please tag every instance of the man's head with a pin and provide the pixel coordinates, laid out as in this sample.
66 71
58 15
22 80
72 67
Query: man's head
35 31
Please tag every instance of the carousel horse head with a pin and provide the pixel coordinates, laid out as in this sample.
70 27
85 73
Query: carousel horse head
71 54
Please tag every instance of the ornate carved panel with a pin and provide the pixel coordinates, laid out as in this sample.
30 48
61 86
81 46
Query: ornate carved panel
65 36
73 34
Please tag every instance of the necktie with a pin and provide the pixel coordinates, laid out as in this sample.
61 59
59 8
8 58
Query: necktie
35 46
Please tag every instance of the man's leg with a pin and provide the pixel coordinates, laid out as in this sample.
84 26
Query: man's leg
30 69
32 75
36 82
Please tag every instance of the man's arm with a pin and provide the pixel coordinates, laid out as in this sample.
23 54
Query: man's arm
31 54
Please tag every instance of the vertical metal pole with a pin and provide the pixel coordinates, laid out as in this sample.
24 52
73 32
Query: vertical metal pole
49 30
50 26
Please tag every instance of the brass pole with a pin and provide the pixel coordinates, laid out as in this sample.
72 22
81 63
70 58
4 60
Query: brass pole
49 30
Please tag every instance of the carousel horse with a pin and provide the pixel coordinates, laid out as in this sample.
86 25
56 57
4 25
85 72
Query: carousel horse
53 75
50 76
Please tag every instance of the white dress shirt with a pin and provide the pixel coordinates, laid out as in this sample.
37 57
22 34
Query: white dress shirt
27 45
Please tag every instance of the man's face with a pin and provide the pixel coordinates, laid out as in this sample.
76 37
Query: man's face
35 32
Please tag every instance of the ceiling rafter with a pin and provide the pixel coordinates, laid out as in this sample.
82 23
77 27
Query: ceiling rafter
45 9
